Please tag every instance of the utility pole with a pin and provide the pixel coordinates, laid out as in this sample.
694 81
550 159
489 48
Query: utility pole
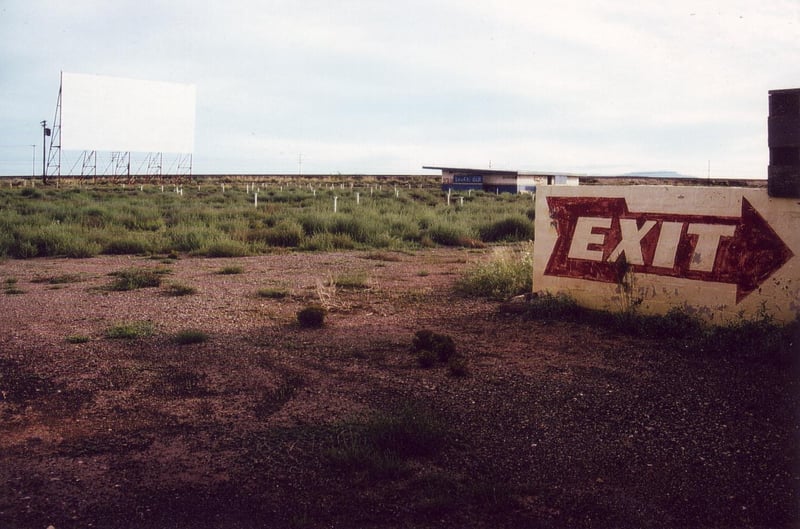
45 133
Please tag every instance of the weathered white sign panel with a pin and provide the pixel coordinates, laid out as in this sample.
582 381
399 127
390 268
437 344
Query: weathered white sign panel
101 113
718 252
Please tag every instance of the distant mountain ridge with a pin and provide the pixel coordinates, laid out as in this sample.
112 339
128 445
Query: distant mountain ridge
657 174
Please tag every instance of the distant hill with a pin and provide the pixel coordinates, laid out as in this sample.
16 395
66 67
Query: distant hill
669 178
657 174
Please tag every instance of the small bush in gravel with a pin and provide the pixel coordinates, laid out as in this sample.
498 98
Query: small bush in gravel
130 331
13 290
508 273
134 278
272 293
231 270
58 280
77 338
190 336
354 280
312 316
441 345
178 289
10 286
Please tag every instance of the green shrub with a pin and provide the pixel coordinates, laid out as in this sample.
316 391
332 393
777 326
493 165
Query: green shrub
353 280
190 336
189 238
134 278
95 217
357 229
22 249
508 273
226 249
30 192
77 338
59 279
139 219
178 289
326 242
314 223
441 345
404 228
56 240
126 246
530 213
130 331
231 270
383 256
509 229
312 316
286 234
448 235
272 293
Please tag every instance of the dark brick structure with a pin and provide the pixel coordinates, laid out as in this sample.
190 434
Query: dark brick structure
784 143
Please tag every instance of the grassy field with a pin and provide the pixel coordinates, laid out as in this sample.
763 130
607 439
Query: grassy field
238 218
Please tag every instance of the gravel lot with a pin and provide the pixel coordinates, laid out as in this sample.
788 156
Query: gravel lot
267 424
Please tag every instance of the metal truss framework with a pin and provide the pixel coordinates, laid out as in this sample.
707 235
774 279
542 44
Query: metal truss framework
53 168
119 165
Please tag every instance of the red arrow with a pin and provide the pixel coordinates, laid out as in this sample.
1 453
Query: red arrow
594 233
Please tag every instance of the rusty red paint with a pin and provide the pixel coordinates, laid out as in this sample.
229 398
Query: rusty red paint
746 250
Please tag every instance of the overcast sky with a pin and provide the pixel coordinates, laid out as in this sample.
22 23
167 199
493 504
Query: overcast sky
599 87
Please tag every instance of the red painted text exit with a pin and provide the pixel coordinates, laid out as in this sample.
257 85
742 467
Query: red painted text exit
594 233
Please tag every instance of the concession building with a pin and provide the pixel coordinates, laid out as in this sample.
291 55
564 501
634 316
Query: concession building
501 181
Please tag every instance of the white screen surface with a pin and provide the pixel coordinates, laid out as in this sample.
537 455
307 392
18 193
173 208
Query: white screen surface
102 113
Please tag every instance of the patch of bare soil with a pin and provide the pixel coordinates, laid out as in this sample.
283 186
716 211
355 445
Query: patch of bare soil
267 424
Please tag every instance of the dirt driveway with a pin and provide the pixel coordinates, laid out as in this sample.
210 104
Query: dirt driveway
266 424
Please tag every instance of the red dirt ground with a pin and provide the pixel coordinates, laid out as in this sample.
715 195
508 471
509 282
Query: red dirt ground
556 425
